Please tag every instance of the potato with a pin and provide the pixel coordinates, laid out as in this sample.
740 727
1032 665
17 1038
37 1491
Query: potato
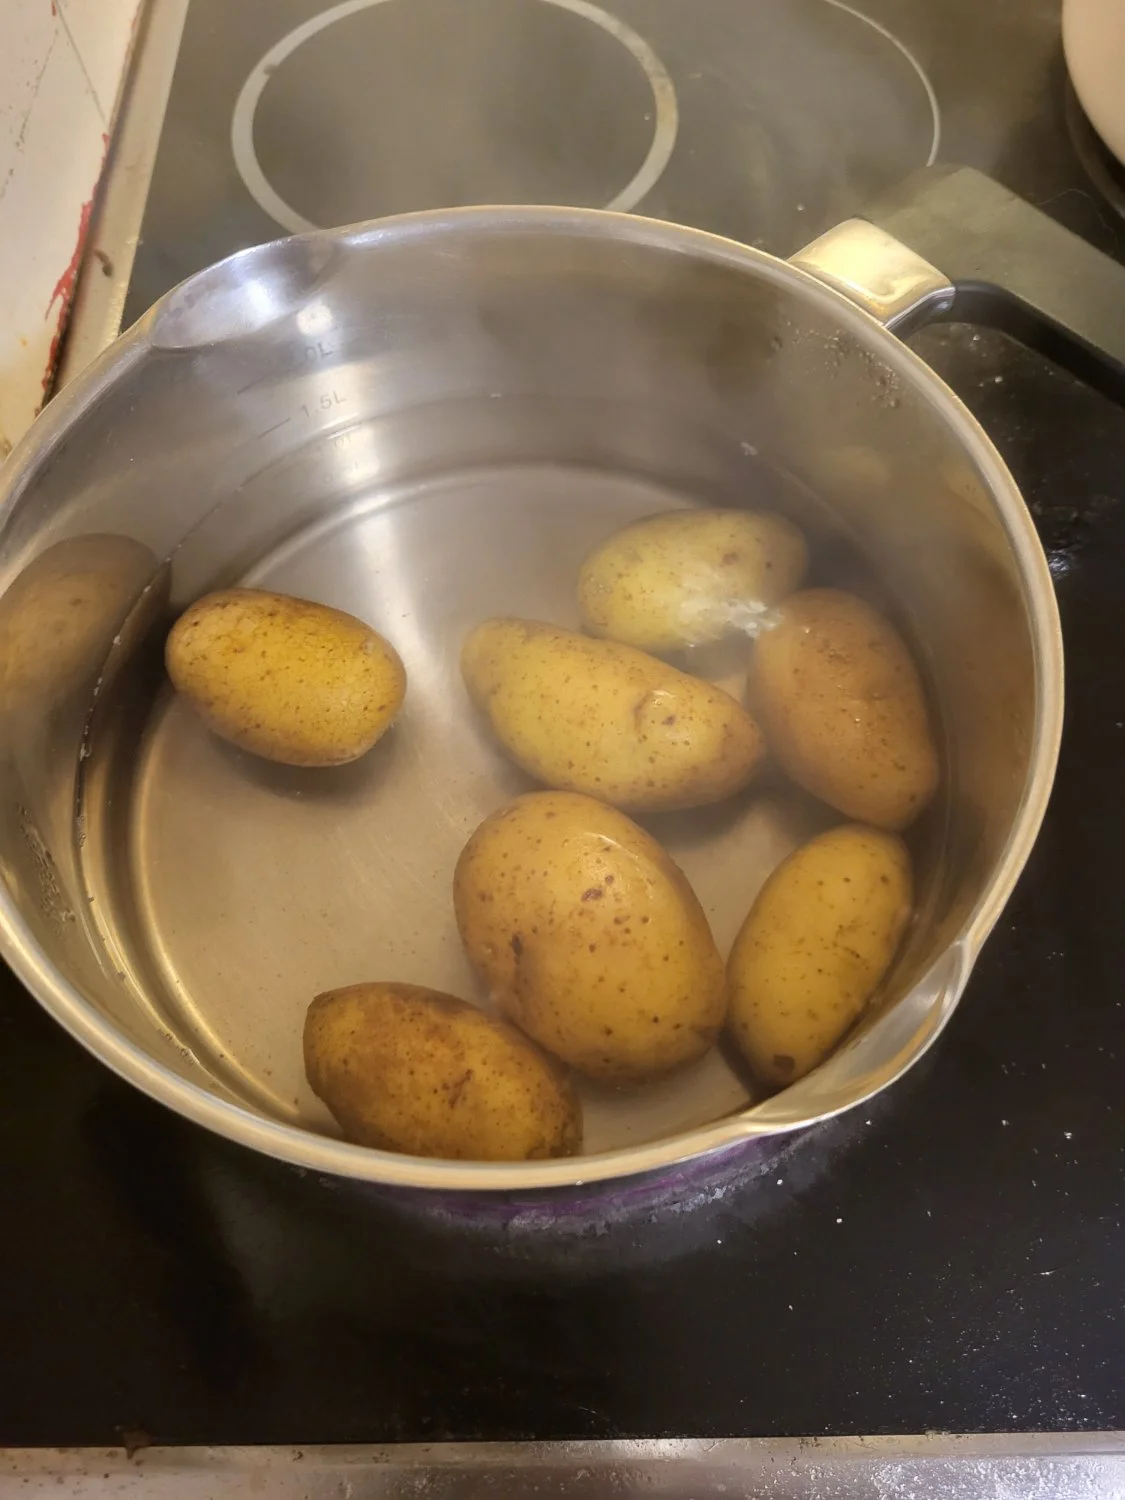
409 1069
59 616
843 709
816 945
589 937
687 577
601 718
290 680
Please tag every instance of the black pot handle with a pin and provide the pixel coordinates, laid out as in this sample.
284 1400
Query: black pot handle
996 260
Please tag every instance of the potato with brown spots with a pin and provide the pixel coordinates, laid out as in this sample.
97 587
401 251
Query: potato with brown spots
687 577
601 718
815 947
291 680
589 937
408 1069
843 709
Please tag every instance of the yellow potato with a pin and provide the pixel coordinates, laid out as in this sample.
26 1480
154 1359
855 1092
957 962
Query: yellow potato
290 680
816 945
601 718
687 577
409 1069
843 709
589 937
58 618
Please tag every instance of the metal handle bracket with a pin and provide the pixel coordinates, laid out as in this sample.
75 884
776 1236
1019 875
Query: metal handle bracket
879 273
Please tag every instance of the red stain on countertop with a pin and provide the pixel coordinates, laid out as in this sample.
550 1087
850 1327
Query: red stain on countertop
64 287
64 291
53 356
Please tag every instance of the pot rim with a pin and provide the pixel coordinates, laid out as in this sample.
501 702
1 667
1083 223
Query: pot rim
312 1151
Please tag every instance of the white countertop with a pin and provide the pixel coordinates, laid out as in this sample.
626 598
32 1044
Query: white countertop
61 66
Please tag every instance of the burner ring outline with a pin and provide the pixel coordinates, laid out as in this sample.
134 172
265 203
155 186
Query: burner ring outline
923 76
665 109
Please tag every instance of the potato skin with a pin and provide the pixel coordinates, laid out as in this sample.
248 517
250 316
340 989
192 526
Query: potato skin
600 718
814 948
589 937
843 710
58 617
687 577
288 679
409 1069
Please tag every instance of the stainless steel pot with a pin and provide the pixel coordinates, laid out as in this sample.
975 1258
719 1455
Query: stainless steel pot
425 421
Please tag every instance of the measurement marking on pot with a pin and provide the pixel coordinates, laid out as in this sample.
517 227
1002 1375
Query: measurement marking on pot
275 427
325 402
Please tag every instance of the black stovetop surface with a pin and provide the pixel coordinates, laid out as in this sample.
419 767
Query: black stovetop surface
952 1257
